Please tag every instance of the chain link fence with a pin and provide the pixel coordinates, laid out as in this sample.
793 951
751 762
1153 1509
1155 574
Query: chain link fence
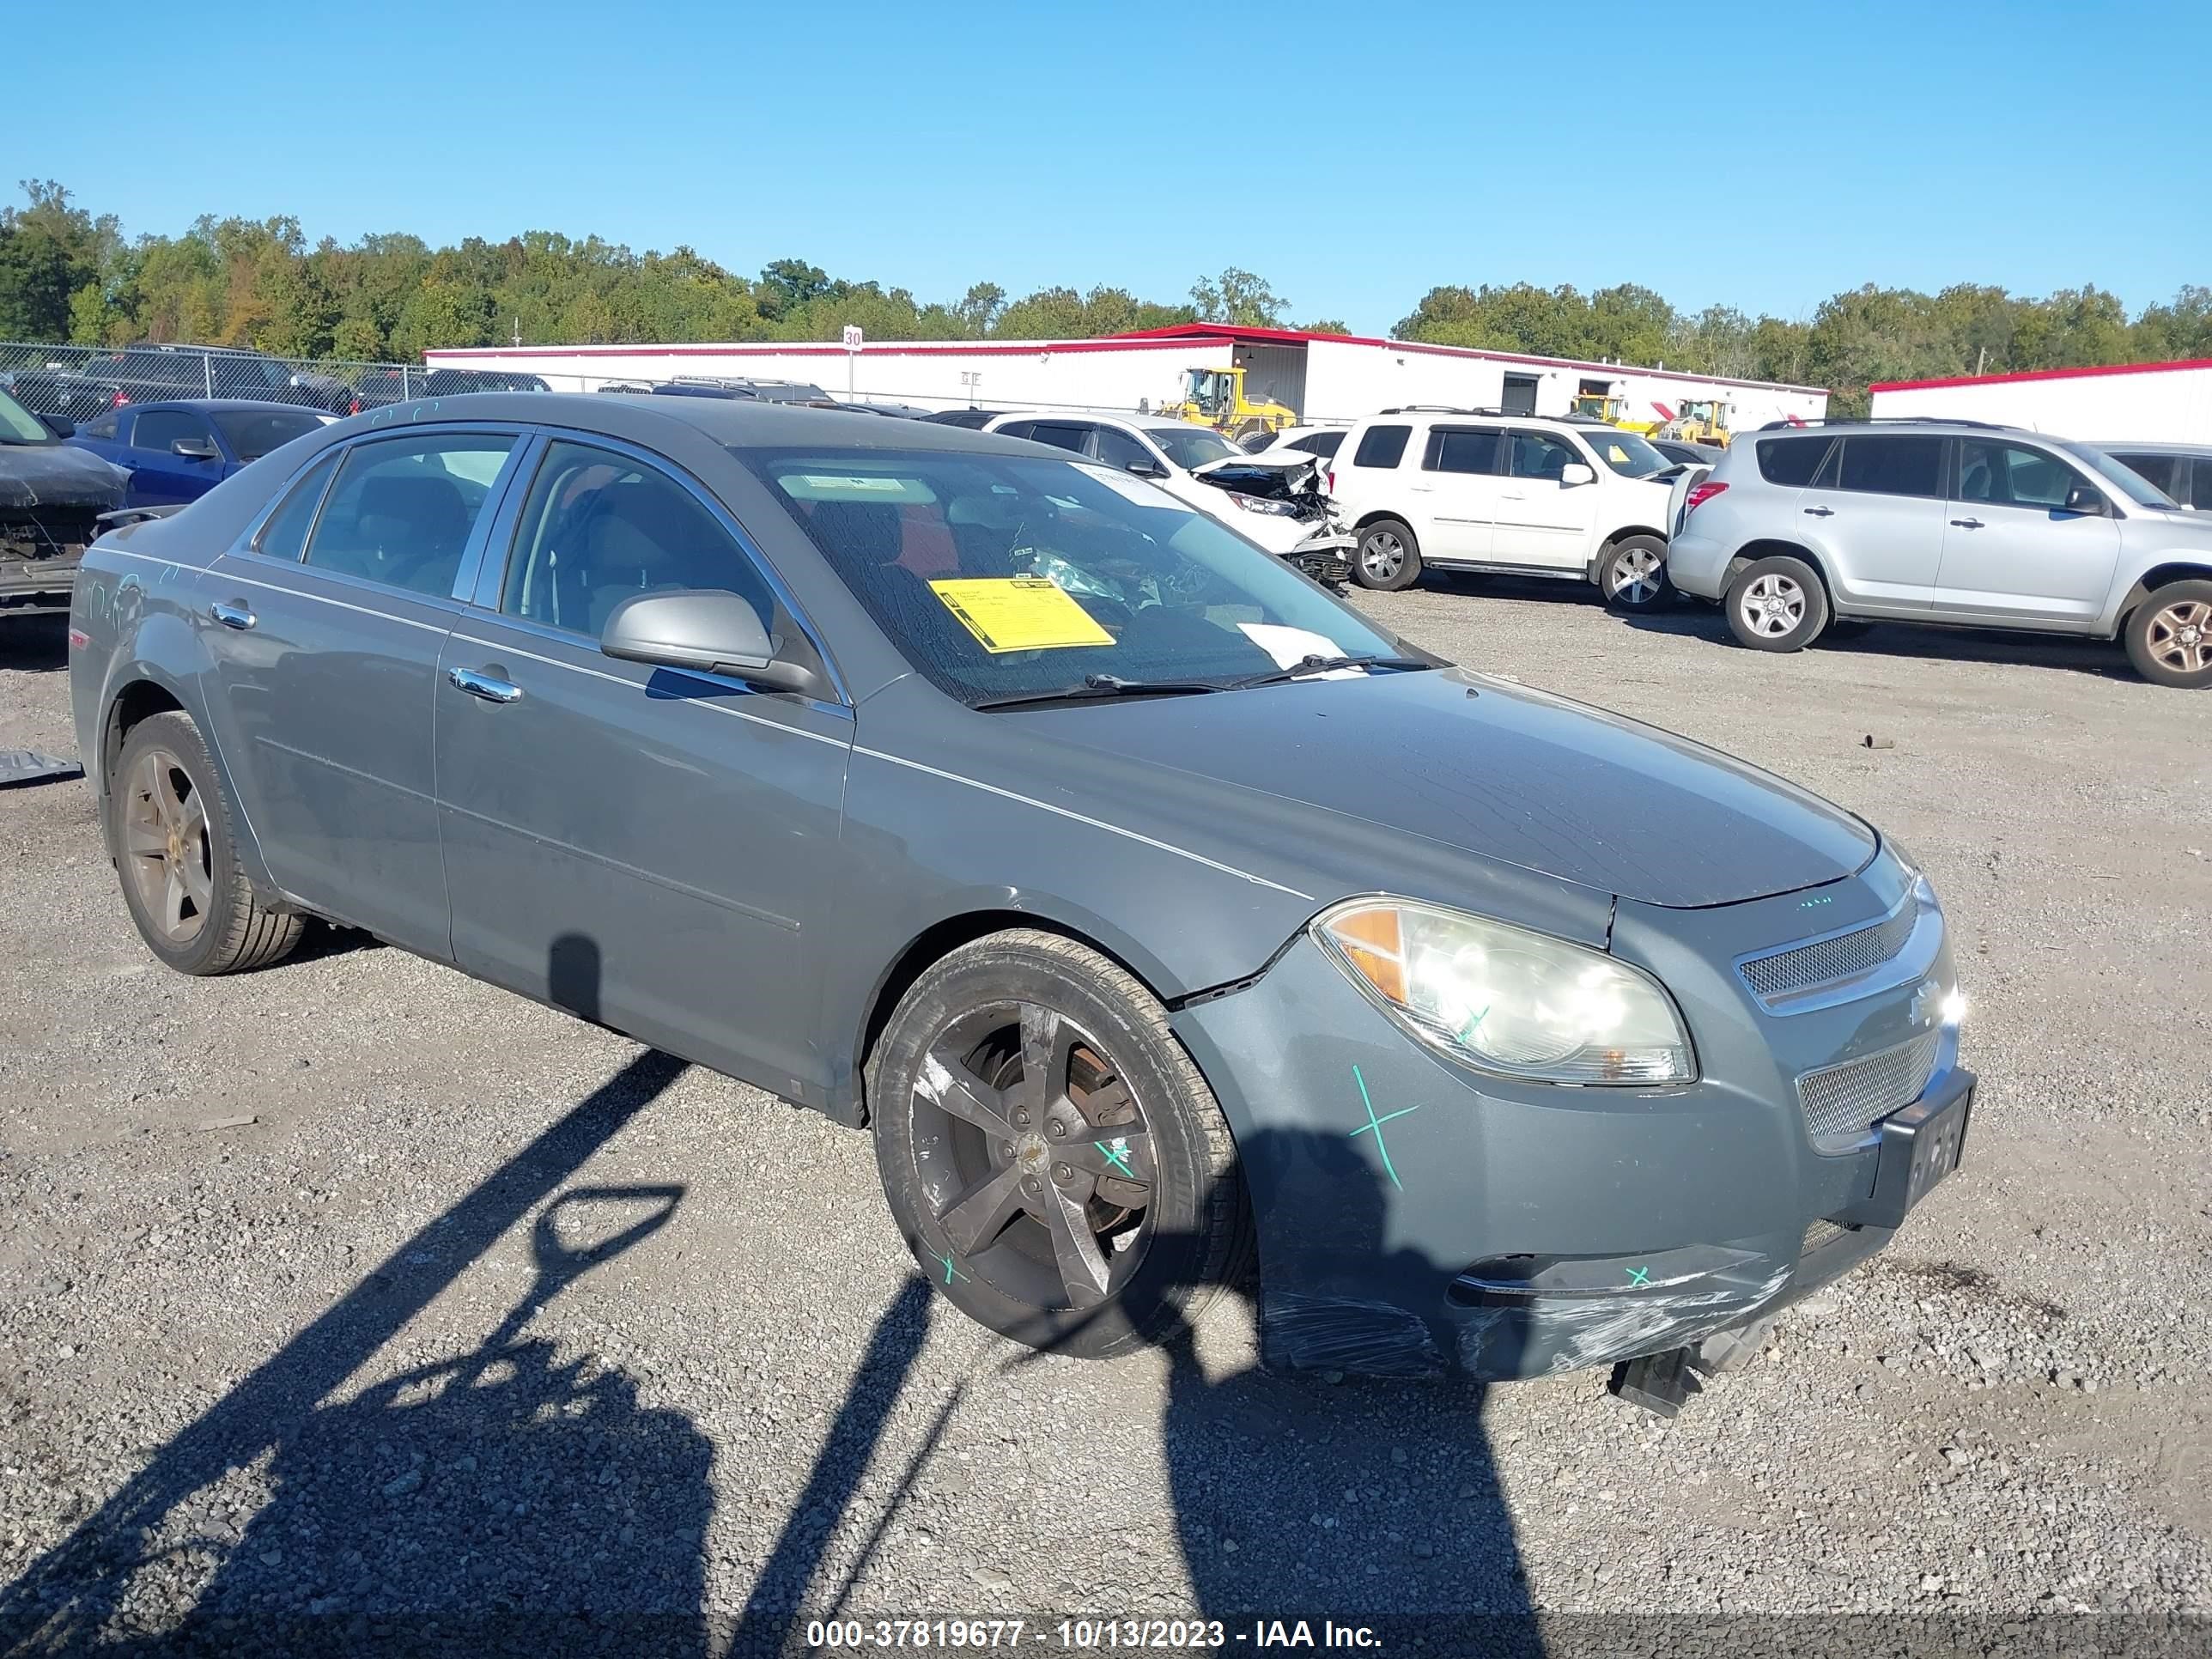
81 383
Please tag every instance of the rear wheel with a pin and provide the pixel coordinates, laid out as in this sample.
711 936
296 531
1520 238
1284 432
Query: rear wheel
1389 557
1777 604
1056 1162
2169 636
1632 574
170 826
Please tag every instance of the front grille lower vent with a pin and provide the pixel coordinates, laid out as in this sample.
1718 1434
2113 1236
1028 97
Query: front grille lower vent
1827 960
1842 1102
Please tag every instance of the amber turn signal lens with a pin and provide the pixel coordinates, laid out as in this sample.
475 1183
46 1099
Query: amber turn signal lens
1371 941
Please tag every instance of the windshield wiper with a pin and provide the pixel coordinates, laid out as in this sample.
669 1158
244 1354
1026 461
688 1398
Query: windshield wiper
1104 685
1320 665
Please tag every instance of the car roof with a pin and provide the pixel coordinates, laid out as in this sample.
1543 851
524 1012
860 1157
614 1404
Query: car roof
742 423
206 404
1136 423
2148 446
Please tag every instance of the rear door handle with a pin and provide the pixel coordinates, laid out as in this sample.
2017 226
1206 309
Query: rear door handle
1967 524
486 686
232 613
1821 512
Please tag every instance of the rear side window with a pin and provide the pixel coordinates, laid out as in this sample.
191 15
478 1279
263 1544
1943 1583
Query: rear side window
1382 446
1791 462
1061 437
1462 449
1883 464
401 511
102 428
285 534
2164 471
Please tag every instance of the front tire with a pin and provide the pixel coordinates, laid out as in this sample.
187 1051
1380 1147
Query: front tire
2169 635
1389 557
1055 1162
1777 604
1632 574
170 825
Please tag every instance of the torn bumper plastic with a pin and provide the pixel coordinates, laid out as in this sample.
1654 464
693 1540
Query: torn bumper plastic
1419 1219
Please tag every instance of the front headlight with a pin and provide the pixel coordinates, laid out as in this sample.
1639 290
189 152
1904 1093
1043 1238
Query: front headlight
1505 999
1263 504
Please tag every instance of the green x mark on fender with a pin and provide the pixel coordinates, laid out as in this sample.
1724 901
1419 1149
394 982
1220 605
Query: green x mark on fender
1376 1124
951 1273
1639 1275
1118 1156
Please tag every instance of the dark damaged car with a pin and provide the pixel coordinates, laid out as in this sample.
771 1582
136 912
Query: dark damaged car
51 496
1147 905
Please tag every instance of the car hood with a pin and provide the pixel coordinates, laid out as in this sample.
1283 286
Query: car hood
58 475
1485 768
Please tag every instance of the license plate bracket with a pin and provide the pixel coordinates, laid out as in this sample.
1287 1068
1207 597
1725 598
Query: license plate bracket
1920 1145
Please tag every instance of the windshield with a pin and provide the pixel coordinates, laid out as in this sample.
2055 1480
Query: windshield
19 425
1002 576
1190 447
2132 485
1627 454
253 433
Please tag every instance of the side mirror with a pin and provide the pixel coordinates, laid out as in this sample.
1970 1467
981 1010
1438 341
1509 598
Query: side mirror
707 630
1576 472
196 449
2085 498
60 425
1145 467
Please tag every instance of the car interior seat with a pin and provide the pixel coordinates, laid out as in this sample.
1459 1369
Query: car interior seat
409 530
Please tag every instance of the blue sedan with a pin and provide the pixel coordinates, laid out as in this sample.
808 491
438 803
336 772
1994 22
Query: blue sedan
177 451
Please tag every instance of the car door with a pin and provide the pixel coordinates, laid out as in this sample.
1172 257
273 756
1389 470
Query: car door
1875 514
654 848
159 475
325 668
1458 492
2013 552
1542 520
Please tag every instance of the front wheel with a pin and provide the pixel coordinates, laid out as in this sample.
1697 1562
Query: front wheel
1054 1160
1632 574
2169 636
1777 604
1389 557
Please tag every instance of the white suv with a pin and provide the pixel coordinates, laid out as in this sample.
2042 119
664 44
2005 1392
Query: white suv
1478 490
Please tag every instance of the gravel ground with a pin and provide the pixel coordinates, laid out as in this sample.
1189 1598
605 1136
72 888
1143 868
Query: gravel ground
356 1293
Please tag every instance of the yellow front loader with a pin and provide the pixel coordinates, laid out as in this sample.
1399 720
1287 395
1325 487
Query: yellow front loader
1700 421
1215 398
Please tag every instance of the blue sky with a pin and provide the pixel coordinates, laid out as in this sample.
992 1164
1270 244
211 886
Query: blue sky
1354 153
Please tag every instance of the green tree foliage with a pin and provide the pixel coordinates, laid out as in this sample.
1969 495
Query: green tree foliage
68 275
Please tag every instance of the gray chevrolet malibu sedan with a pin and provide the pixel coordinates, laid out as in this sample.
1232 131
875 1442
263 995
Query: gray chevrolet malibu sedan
1145 903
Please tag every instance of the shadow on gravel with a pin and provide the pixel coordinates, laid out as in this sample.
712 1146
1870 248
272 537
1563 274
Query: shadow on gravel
1687 619
33 644
498 1481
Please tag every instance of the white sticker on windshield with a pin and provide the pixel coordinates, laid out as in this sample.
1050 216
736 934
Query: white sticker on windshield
1290 646
1129 488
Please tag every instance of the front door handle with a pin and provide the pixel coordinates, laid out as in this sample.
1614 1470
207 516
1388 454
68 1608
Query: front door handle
1967 524
1820 512
486 686
232 613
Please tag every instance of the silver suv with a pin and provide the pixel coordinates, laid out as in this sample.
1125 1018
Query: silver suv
1946 521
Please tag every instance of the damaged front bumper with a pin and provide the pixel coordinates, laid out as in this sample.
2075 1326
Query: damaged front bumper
36 586
1417 1218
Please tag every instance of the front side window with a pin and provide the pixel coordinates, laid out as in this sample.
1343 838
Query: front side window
1191 446
1627 454
1884 464
1464 449
1009 577
2005 475
2200 486
599 526
1323 444
253 433
402 509
158 429
1536 455
1118 449
1791 462
285 534
1382 446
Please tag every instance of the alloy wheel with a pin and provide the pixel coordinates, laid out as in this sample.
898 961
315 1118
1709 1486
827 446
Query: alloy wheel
1034 1156
1772 606
165 851
1382 555
1637 574
2180 636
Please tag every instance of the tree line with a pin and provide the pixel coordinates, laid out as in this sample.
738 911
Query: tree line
67 274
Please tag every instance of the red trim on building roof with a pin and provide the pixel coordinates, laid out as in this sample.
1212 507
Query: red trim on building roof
2176 365
783 348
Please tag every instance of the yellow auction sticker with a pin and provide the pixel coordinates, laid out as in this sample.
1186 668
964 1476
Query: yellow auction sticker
1018 613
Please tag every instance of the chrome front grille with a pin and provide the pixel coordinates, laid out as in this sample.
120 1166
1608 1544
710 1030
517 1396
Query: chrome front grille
1827 960
1842 1102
